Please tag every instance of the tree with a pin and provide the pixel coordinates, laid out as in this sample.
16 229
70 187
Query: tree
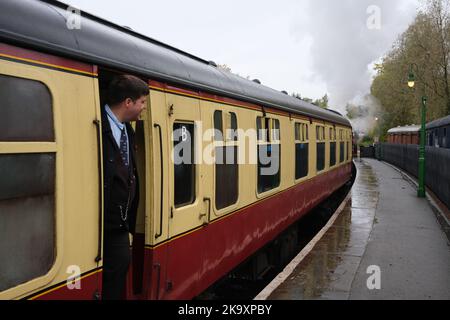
323 102
298 96
354 111
424 49
440 22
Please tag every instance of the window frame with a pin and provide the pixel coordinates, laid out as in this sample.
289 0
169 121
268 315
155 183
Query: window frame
332 139
301 136
195 169
267 122
29 72
224 143
321 138
342 143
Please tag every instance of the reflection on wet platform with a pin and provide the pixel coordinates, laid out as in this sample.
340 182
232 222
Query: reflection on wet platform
328 271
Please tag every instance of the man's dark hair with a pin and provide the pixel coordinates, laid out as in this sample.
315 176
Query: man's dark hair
126 86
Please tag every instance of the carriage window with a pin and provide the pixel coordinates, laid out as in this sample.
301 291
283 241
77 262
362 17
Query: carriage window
436 138
259 129
269 152
227 176
27 183
268 166
27 205
233 127
226 126
184 167
444 138
332 147
320 148
226 168
263 128
28 105
301 150
341 151
218 126
275 130
230 124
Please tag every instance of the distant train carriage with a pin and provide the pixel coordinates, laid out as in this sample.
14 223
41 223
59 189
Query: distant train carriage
196 220
438 133
404 135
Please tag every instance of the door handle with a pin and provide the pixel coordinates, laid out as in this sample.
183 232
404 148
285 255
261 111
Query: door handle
100 191
208 213
162 183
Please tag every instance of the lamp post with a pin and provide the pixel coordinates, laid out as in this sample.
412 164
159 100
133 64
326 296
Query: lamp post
421 189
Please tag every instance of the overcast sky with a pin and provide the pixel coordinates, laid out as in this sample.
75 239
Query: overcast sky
311 47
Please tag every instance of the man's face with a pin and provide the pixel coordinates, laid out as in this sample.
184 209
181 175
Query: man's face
134 108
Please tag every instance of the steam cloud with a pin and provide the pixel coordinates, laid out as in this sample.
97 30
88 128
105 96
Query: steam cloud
344 48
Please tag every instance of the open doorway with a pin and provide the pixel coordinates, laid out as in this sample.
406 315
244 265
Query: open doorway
134 285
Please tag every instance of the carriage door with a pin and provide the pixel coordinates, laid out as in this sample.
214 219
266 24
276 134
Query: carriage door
188 208
138 247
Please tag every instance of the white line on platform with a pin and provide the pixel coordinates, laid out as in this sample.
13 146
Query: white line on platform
287 271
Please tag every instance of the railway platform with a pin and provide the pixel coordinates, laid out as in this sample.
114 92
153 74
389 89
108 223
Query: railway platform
385 244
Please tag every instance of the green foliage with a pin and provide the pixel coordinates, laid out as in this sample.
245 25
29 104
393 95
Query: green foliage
366 141
323 102
354 111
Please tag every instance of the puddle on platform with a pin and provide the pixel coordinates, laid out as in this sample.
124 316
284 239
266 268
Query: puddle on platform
328 271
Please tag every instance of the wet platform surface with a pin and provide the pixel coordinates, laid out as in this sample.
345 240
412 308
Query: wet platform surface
383 225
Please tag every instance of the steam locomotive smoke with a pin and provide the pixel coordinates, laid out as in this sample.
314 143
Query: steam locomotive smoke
366 121
344 46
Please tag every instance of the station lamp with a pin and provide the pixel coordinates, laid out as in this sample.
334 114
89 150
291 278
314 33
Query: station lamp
411 78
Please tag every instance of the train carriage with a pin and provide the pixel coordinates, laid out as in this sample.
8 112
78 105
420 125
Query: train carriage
404 135
438 133
196 220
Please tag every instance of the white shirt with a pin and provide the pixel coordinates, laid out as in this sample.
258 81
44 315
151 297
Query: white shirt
117 127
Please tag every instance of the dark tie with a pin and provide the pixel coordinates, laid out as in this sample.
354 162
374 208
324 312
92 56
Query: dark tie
123 147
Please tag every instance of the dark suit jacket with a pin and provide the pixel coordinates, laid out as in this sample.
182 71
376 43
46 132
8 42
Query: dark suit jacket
115 190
